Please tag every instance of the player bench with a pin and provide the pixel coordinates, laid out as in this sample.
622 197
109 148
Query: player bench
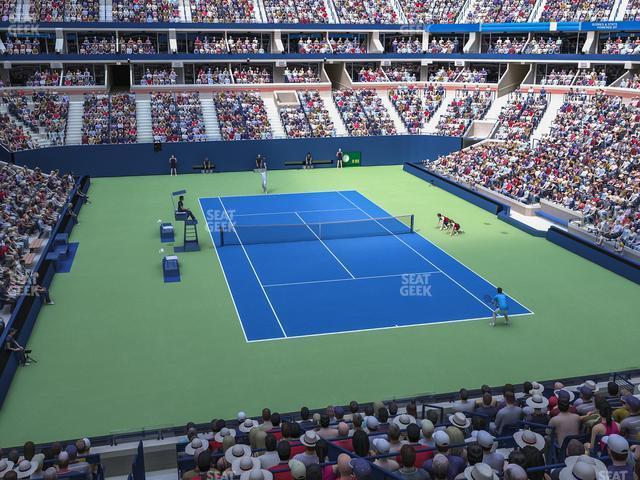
201 167
300 163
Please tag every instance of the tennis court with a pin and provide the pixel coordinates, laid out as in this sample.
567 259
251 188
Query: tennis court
308 264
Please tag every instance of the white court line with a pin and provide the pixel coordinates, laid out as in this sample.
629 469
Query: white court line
224 273
254 271
299 211
280 193
418 253
350 279
374 329
325 245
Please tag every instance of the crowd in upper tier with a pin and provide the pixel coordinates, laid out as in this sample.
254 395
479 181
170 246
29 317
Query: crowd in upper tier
321 11
589 162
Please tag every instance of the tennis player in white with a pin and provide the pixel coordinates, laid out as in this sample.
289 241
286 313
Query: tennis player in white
263 174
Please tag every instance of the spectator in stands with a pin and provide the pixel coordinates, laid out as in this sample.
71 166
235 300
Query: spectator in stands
309 439
456 463
565 423
509 415
408 470
630 426
492 458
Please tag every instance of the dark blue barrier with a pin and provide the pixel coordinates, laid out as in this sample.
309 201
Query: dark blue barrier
141 159
609 260
450 186
28 306
506 218
137 466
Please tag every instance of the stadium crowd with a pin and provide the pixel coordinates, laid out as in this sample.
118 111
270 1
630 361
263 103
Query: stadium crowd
252 75
347 45
403 73
416 106
31 204
44 78
21 45
42 110
576 11
365 11
521 115
222 11
159 76
371 74
591 78
540 46
288 11
301 75
212 76
406 45
632 81
317 114
506 11
78 77
242 116
177 117
243 46
627 46
441 45
589 163
98 46
13 136
439 11
562 77
508 46
137 46
145 11
109 119
209 45
315 45
363 113
463 109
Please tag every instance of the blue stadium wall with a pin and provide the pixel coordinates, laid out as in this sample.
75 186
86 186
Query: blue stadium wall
141 159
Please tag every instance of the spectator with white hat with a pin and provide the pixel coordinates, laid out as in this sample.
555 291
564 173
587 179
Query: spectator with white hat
298 470
404 420
583 467
309 439
247 425
237 452
457 431
480 471
5 466
529 438
196 446
536 409
244 464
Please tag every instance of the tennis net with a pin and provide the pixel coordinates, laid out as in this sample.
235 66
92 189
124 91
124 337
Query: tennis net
232 234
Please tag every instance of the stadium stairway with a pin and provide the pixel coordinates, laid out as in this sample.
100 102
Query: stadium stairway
40 137
618 10
74 122
544 127
274 118
393 113
23 11
330 105
185 10
258 8
143 120
108 11
210 119
430 127
496 108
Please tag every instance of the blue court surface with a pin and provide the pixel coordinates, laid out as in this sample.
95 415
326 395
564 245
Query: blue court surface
307 264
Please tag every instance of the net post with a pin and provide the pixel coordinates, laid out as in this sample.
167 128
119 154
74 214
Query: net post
221 230
411 230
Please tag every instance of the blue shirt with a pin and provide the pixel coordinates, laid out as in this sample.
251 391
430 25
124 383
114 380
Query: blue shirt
501 301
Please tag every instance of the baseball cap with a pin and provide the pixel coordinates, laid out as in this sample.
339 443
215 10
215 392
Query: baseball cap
441 438
632 401
361 468
617 444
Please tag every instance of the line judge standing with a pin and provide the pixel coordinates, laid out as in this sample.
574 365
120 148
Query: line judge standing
339 158
173 166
